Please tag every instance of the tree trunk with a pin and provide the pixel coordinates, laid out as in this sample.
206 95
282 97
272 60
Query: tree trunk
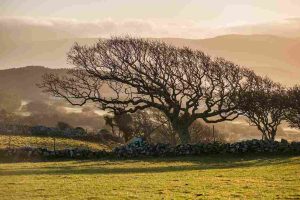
182 129
184 135
273 133
269 136
113 129
172 137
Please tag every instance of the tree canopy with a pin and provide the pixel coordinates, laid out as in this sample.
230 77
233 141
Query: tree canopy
293 115
265 106
125 75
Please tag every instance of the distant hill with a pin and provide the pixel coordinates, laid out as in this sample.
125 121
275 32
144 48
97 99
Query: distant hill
276 57
49 53
22 81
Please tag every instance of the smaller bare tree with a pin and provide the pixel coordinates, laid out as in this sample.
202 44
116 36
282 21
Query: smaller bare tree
293 115
143 124
109 121
164 131
265 106
202 133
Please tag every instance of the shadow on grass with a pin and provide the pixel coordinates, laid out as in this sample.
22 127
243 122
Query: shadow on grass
117 166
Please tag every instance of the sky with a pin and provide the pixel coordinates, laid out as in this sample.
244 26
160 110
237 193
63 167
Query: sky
155 18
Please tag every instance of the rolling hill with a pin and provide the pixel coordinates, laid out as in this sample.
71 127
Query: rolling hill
276 57
22 81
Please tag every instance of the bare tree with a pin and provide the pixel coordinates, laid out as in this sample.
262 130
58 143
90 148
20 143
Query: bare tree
124 122
163 131
265 106
144 125
201 133
293 115
182 83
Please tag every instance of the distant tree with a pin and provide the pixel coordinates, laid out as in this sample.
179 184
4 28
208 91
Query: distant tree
164 132
265 106
182 83
63 126
109 120
142 124
80 130
107 136
151 123
201 133
124 123
293 116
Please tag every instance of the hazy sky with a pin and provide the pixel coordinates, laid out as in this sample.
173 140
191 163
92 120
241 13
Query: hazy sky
28 28
215 12
156 18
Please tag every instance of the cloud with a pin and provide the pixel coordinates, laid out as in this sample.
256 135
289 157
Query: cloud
286 28
54 28
36 29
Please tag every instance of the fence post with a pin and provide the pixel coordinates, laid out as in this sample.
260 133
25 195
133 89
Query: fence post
9 141
54 144
214 133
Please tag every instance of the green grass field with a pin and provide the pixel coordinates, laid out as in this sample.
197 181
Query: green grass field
214 177
47 142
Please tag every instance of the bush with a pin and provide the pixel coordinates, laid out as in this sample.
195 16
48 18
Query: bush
80 130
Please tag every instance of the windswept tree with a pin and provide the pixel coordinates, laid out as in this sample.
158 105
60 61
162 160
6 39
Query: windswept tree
265 107
293 115
125 75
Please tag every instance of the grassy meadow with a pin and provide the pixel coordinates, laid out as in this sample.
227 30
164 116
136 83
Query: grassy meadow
209 177
47 142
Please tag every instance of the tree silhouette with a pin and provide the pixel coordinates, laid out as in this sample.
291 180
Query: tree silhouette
265 106
127 74
293 116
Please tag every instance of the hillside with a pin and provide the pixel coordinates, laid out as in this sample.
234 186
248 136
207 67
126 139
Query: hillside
268 55
16 141
276 57
22 81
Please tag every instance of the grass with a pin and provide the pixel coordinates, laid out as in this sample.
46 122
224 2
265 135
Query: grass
47 142
213 177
